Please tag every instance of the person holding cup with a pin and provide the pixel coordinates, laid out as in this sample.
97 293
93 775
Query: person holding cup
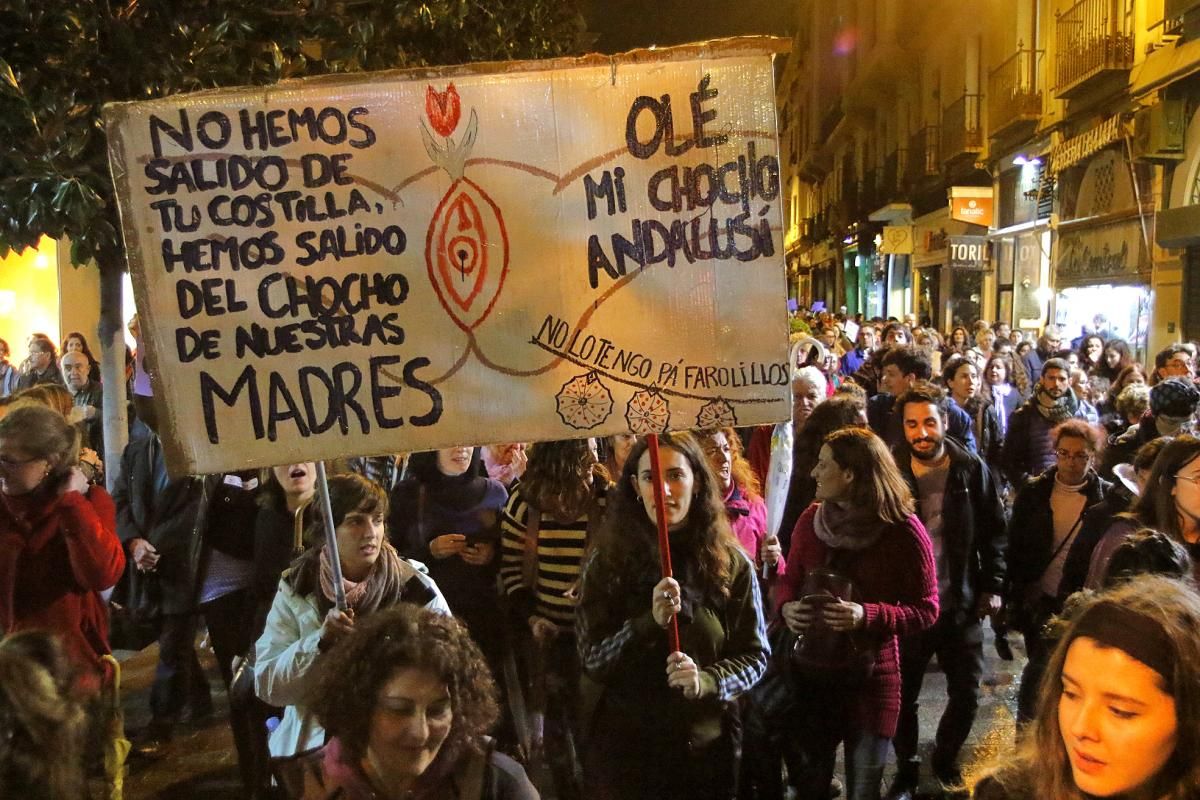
860 574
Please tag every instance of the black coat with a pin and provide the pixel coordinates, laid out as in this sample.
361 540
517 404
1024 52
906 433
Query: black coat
188 515
1031 529
973 531
1096 522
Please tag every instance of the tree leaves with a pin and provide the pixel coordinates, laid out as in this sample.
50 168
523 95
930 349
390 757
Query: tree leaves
62 60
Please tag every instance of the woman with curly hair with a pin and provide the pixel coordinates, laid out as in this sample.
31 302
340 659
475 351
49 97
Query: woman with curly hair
742 493
1119 708
42 728
304 622
546 527
406 700
664 724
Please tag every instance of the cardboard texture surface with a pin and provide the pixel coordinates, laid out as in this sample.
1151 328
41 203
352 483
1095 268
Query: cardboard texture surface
410 260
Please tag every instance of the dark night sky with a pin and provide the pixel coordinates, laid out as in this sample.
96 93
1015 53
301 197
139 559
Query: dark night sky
626 24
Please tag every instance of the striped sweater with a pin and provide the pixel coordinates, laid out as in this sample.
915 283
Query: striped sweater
560 553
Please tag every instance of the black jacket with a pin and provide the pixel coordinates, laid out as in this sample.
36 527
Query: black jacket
189 514
1031 529
1096 522
973 531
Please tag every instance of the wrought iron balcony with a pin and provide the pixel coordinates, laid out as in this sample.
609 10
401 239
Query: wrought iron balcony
923 160
1093 39
1014 100
962 133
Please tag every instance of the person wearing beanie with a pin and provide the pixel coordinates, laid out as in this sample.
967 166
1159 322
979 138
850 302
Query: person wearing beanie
1173 404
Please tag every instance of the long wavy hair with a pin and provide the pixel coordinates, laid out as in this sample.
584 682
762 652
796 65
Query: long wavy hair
1041 766
878 484
1122 350
743 474
561 477
1155 507
628 538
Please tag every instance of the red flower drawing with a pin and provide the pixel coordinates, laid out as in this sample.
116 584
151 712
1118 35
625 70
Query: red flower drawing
443 109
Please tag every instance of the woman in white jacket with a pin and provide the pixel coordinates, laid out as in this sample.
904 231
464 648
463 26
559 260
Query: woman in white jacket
304 623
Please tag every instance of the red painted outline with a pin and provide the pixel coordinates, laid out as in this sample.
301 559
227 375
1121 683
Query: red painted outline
503 268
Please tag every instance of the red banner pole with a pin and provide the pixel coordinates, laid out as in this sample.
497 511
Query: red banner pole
664 544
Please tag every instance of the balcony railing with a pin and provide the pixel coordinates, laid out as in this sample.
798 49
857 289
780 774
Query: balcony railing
962 133
923 160
895 169
1093 38
1014 99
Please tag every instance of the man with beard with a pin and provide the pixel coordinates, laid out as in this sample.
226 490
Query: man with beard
958 502
902 368
1028 450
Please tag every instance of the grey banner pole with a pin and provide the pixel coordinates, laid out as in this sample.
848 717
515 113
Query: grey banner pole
335 559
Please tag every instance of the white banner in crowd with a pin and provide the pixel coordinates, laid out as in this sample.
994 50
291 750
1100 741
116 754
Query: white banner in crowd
409 260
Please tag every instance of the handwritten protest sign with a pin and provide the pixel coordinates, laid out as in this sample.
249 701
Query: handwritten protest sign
409 260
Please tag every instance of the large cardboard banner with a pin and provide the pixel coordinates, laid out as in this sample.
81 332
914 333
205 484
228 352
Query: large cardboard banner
410 260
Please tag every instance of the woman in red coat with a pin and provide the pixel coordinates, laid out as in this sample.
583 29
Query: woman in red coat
860 574
58 540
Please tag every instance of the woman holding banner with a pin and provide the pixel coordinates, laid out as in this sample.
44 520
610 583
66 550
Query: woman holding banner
661 723
304 622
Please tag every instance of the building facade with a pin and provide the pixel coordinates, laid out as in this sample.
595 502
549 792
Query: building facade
1001 160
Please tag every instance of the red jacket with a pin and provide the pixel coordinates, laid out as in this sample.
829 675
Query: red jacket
895 582
57 553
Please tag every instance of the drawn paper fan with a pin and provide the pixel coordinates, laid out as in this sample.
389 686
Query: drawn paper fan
584 401
716 414
647 412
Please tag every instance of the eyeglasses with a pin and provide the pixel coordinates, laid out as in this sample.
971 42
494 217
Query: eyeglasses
7 463
1078 458
1188 478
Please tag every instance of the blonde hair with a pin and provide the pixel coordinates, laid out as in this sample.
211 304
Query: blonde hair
42 432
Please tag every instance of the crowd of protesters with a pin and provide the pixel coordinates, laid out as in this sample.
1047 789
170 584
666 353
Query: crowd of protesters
502 608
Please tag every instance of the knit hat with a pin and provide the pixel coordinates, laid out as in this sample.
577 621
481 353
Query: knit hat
1174 397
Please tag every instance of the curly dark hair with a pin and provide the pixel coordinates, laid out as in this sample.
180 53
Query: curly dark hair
349 678
560 477
627 542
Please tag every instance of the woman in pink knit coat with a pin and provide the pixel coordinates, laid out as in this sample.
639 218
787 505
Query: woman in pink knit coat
876 583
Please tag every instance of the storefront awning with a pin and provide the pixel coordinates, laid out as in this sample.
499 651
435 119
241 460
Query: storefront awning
1086 144
1165 66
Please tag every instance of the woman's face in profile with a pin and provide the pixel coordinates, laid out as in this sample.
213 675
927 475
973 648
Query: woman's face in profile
412 719
679 484
1118 722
